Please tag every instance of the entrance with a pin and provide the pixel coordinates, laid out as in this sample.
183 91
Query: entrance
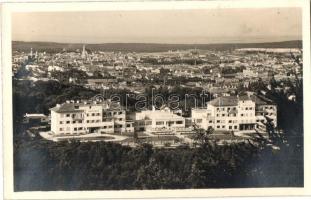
245 127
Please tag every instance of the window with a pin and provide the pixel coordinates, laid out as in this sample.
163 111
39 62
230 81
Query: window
148 123
223 126
223 115
199 121
230 127
74 129
128 125
87 121
76 107
120 119
67 122
67 115
90 107
120 113
93 114
230 121
235 127
109 126
97 121
210 121
104 127
61 129
217 115
73 122
246 108
80 128
218 126
218 121
60 122
160 123
180 122
242 115
73 115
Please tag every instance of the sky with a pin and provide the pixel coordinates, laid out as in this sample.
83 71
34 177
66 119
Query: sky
167 26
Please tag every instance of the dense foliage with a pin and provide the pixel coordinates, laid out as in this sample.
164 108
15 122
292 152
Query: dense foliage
44 165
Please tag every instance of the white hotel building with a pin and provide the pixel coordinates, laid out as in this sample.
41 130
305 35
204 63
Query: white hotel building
76 118
163 121
234 113
228 113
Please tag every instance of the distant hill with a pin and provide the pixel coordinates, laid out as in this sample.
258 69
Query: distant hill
147 47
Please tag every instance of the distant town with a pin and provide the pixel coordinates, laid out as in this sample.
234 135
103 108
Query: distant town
236 83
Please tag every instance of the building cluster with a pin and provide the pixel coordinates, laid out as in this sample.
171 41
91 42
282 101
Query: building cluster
214 71
228 113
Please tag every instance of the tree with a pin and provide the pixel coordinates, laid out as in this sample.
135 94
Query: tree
202 137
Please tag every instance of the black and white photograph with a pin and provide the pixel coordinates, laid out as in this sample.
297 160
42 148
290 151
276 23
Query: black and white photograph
157 99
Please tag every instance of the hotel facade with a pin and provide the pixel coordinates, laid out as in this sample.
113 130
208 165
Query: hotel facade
227 113
75 118
234 113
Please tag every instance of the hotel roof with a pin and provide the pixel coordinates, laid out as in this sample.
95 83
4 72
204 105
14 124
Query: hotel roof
233 100
70 107
224 101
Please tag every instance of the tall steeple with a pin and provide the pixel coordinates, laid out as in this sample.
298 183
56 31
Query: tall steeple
83 55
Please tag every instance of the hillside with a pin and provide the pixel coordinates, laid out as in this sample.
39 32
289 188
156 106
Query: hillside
148 47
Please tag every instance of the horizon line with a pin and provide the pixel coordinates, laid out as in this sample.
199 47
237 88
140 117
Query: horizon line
294 40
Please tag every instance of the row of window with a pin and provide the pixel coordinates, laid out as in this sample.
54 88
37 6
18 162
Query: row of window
92 114
230 127
226 115
172 122
224 109
247 108
109 114
269 107
246 114
73 122
217 121
229 121
144 123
